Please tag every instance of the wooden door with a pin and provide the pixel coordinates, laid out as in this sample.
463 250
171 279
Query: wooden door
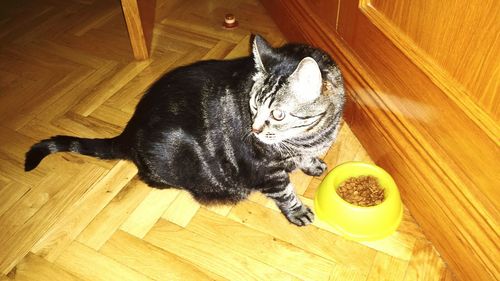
423 79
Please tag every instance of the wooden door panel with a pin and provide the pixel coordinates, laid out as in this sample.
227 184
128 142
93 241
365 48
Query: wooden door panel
456 41
327 10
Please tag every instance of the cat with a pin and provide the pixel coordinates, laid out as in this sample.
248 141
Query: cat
222 129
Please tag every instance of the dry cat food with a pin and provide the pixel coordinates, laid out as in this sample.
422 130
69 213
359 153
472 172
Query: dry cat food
363 191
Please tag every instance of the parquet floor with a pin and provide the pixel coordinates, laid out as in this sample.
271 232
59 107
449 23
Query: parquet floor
66 67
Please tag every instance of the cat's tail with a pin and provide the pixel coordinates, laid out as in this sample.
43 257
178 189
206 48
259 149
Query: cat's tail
101 148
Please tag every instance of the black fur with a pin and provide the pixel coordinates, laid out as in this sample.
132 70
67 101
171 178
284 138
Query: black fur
191 130
101 148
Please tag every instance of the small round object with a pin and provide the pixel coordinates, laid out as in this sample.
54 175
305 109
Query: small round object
230 22
229 19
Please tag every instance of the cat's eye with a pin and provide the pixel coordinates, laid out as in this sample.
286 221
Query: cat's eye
278 115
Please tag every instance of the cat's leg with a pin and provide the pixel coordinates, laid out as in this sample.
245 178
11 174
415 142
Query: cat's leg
312 166
283 194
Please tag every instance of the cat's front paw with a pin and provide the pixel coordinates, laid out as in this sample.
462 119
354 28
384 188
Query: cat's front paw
301 217
315 168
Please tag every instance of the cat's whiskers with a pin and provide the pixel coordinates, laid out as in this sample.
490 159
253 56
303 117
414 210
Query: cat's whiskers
246 136
289 144
285 150
278 148
281 150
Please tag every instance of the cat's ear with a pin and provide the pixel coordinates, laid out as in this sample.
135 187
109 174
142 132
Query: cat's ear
306 80
261 50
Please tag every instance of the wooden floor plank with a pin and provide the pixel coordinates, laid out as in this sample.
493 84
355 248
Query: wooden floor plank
10 193
105 90
88 264
311 238
78 216
386 268
222 210
425 263
149 211
398 245
33 267
40 210
152 261
258 245
182 209
343 273
211 255
113 215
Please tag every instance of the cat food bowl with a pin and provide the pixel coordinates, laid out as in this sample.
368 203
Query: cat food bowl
356 222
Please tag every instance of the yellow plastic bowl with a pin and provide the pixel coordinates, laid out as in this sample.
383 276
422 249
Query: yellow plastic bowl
356 222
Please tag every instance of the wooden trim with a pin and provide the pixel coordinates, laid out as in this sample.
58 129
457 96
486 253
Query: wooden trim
139 17
446 168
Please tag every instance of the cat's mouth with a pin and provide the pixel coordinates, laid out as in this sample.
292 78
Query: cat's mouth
267 137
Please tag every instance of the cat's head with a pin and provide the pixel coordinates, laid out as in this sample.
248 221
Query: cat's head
293 96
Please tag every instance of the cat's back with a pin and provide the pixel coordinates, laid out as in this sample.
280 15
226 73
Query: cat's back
185 92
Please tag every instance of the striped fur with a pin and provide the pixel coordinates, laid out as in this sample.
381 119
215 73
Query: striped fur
224 129
100 148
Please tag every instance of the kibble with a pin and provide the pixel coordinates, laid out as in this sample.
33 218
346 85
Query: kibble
362 191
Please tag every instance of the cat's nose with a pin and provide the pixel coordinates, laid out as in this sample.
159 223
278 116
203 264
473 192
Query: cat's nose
256 130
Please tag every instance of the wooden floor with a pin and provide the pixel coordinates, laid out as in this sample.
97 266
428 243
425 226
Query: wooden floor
66 67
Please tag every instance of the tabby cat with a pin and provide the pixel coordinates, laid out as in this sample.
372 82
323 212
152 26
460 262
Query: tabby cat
224 129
